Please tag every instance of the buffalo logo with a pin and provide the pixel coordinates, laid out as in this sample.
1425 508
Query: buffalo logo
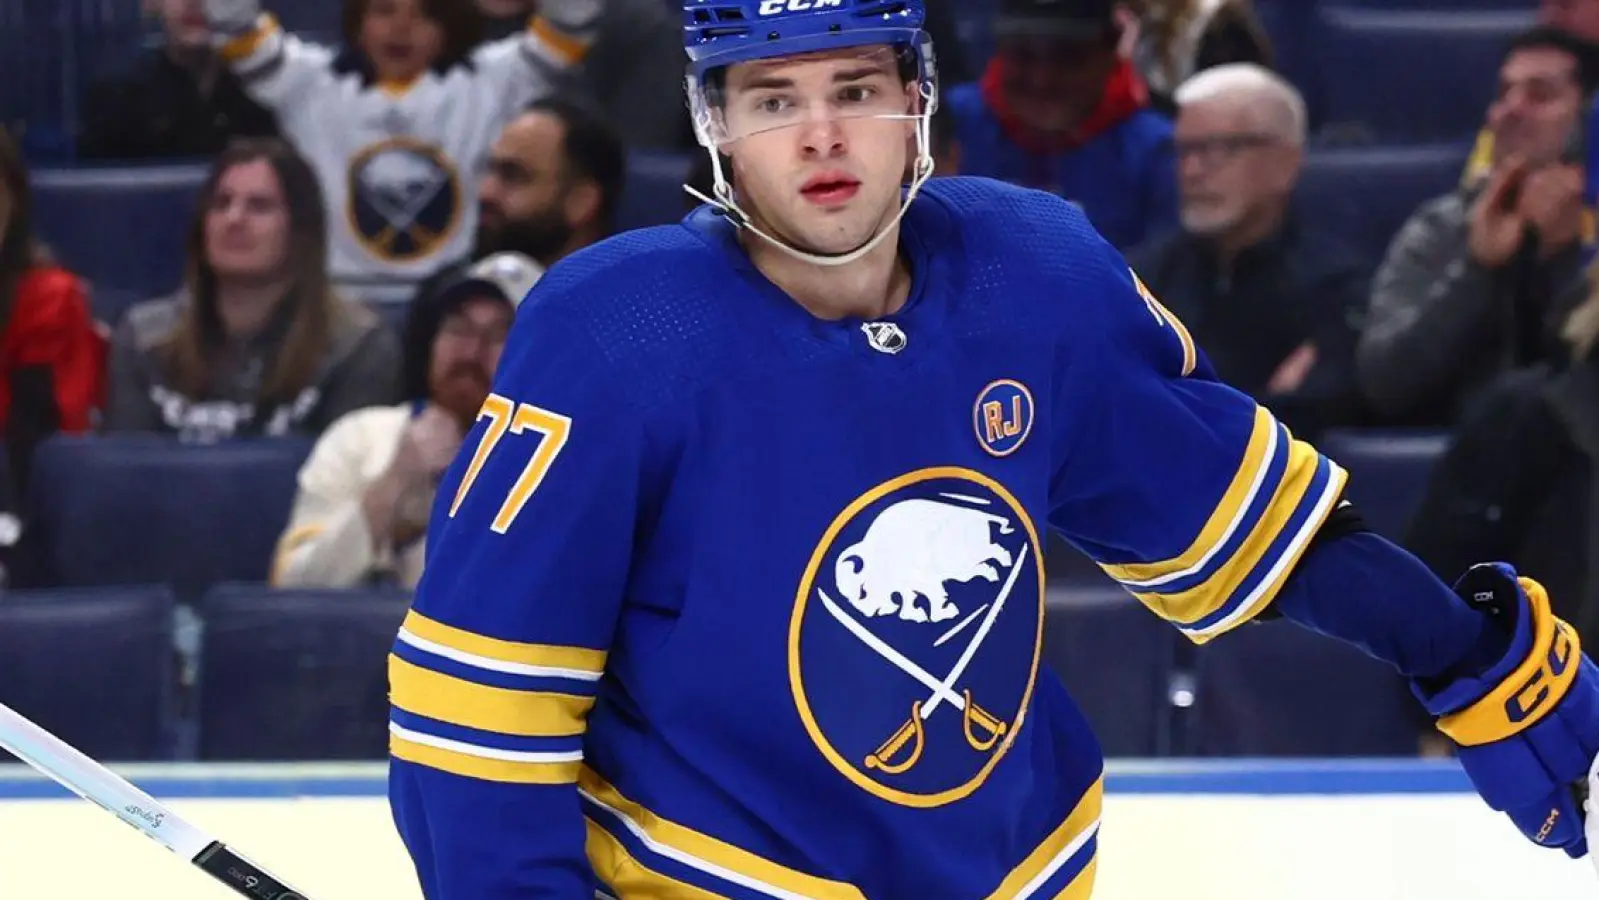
405 199
1003 416
915 635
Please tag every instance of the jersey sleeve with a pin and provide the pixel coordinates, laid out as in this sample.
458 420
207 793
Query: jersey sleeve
277 68
524 67
1185 491
497 663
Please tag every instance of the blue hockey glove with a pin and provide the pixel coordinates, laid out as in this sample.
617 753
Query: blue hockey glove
1528 727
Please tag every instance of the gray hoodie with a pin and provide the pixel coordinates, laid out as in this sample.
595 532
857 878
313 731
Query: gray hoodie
361 369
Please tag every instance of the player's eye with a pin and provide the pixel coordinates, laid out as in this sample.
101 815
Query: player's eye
857 93
771 105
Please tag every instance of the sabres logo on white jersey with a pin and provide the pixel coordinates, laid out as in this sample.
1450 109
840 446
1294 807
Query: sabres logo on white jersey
915 639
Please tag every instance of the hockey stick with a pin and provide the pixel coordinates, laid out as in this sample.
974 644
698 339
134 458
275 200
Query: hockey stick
100 786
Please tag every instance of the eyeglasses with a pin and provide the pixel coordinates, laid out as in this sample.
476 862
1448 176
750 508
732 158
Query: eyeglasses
1216 148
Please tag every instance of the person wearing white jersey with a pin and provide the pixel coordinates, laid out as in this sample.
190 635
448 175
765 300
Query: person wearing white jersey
398 122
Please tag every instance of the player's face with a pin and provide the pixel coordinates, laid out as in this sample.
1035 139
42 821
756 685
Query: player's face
400 39
185 23
1538 104
247 224
466 352
816 155
1580 17
1230 167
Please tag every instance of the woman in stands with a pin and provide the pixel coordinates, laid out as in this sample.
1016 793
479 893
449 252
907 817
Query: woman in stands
52 354
257 342
398 122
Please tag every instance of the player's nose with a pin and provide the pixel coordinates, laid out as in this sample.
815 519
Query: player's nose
823 137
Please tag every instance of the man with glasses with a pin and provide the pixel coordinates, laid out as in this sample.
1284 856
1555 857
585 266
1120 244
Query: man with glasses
361 512
1479 282
1273 302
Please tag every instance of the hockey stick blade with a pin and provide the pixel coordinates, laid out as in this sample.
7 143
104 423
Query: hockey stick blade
95 783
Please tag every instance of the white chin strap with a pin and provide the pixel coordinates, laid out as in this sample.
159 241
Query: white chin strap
726 204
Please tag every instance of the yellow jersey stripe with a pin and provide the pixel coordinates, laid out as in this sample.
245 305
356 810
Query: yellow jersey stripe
717 858
471 644
569 49
1065 840
1266 590
485 768
435 695
627 877
1191 605
249 44
1082 887
1225 519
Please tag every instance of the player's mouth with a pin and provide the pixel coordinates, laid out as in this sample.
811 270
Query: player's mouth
831 189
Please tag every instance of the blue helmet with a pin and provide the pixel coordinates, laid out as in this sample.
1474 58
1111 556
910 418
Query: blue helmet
720 33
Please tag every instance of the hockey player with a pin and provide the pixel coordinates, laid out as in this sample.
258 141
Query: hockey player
735 590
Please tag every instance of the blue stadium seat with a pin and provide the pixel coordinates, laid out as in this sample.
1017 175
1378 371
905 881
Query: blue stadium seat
92 666
1410 75
1365 194
1388 472
305 16
296 675
1276 689
146 509
119 226
653 193
1116 659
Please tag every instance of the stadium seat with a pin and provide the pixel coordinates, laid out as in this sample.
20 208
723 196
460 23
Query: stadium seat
92 666
146 509
295 675
1116 659
653 193
121 226
1365 194
1409 75
1388 472
1277 689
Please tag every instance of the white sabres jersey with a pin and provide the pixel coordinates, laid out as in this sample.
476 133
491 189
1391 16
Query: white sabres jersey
398 163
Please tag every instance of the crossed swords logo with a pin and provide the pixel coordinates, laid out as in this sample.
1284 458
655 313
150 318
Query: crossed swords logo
982 728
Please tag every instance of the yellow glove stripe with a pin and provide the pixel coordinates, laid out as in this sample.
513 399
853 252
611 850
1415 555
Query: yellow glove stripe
1532 690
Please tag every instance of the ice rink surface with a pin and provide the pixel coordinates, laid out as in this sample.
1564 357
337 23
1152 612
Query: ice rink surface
1237 830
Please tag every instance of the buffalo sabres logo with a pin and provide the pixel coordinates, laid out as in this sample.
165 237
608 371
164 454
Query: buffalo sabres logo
916 632
405 199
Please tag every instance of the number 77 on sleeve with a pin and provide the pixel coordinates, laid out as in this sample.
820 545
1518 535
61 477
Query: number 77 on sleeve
508 416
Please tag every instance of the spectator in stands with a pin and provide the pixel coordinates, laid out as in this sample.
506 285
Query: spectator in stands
1478 281
634 73
1059 109
1518 480
1174 39
1274 303
256 342
367 488
52 355
551 187
397 122
177 100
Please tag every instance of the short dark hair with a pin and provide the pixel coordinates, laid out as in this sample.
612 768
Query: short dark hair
593 149
1585 54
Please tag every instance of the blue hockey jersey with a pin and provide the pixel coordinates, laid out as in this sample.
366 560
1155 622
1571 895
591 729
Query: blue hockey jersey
726 600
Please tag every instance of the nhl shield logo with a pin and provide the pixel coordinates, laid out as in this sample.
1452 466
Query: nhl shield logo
916 635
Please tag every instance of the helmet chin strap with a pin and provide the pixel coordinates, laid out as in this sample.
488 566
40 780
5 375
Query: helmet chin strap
725 203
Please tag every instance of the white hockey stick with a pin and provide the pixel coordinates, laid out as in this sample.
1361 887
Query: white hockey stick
102 787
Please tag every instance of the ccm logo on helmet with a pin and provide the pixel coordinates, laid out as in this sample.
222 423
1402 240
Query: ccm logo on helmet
774 7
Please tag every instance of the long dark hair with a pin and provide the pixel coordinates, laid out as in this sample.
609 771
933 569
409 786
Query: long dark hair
316 308
19 251
459 19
